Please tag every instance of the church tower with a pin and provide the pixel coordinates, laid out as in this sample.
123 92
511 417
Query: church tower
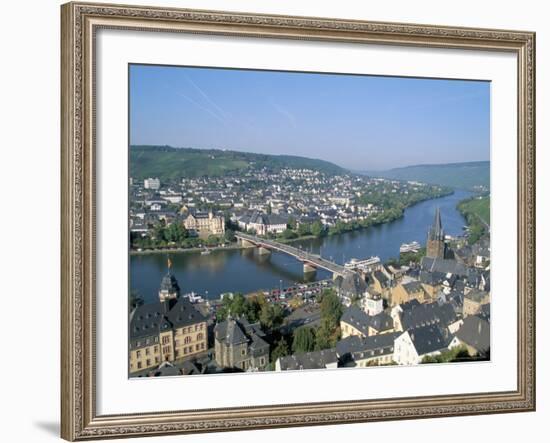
435 246
169 288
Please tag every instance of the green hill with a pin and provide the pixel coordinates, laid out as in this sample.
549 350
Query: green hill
168 163
468 175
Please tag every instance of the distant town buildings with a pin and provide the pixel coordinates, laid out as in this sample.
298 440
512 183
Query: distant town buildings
262 224
151 183
204 224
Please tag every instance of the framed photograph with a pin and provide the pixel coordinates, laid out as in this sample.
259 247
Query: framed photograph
277 221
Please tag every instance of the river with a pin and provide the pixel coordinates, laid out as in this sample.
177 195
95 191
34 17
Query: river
246 271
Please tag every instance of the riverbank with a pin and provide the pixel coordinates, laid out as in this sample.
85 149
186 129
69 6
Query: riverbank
231 269
343 228
229 247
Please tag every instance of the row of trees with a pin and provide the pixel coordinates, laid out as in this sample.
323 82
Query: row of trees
472 209
254 308
175 235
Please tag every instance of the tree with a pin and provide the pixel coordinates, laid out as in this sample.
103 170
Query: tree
229 235
304 229
176 233
331 309
280 350
213 240
289 234
304 340
271 316
326 335
317 229
292 222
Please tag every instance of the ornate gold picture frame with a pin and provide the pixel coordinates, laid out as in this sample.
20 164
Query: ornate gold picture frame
80 22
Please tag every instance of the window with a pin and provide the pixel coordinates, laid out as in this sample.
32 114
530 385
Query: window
148 362
262 361
202 345
147 351
177 352
165 340
197 347
138 354
243 351
157 360
200 336
187 340
139 365
156 349
185 350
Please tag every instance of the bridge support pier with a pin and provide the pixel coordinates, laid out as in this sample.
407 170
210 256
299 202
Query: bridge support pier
309 268
263 251
246 243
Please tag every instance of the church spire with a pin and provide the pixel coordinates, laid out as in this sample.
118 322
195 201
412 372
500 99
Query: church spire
436 246
438 230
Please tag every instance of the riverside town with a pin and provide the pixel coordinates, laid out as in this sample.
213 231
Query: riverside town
252 260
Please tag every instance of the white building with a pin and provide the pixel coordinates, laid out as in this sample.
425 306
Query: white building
415 344
151 183
373 304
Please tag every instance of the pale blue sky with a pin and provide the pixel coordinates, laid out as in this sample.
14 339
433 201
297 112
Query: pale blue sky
359 122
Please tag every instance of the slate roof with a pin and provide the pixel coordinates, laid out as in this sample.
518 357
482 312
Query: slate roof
428 339
266 219
357 318
428 314
170 284
231 332
165 369
444 266
309 360
382 278
409 304
381 322
149 319
361 321
359 348
413 287
352 283
475 332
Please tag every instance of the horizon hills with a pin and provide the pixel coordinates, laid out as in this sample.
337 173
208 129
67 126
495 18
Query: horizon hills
169 163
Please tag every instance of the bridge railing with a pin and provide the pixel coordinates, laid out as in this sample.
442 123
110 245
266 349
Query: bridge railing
313 258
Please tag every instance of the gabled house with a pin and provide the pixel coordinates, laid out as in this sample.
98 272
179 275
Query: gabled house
366 351
415 344
240 345
356 322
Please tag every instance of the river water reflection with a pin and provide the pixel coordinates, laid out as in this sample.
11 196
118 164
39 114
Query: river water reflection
246 271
